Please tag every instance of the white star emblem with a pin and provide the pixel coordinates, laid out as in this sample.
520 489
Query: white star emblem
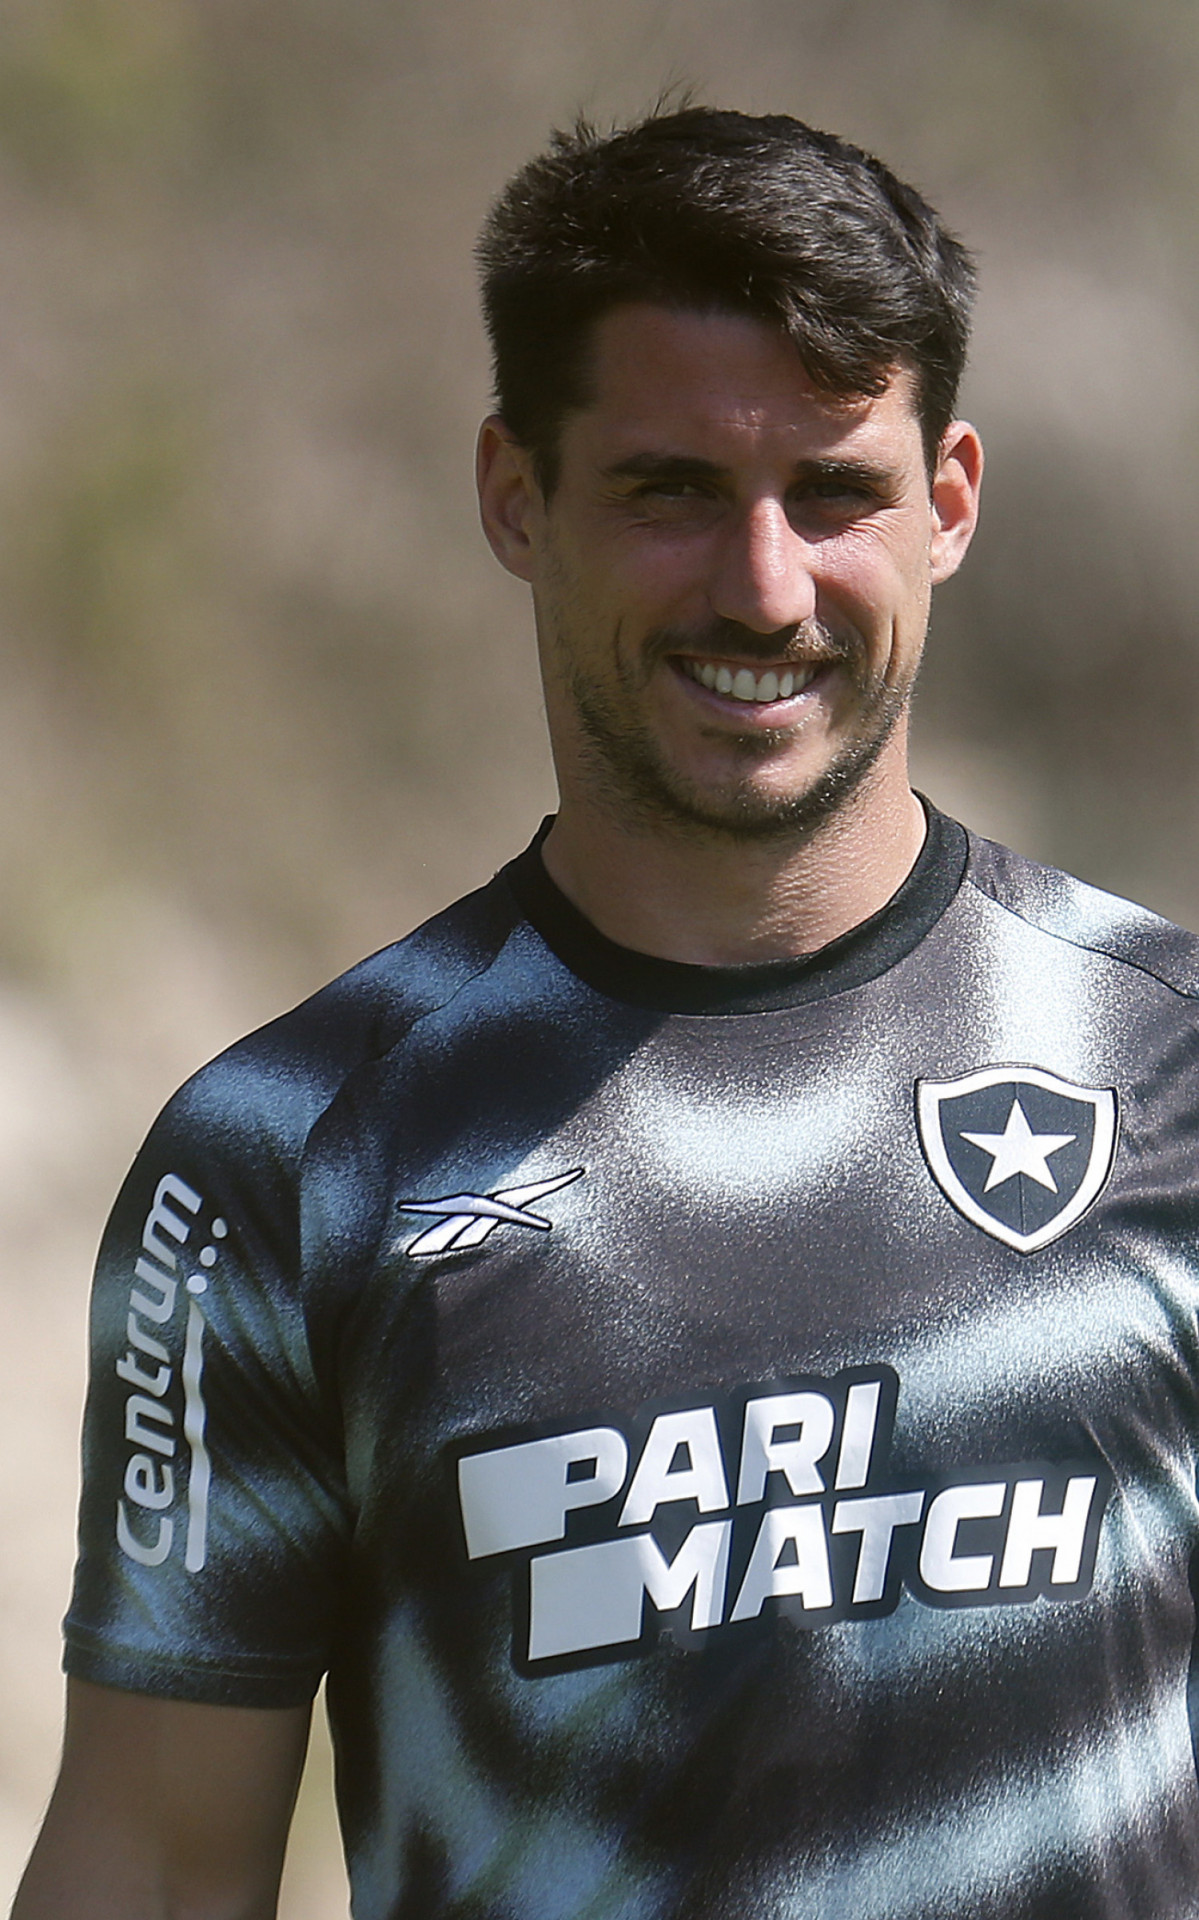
1019 1150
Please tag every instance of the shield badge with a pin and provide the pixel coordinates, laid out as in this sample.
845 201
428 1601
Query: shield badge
1020 1152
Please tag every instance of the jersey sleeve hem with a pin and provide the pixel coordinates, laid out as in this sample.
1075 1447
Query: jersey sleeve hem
237 1684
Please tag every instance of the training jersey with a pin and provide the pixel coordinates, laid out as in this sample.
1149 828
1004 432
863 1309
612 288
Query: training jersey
727 1434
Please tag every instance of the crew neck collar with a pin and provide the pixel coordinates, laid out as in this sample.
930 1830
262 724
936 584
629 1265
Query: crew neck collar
678 986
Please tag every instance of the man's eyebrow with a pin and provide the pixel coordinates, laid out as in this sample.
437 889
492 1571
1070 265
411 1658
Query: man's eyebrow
679 466
857 472
664 466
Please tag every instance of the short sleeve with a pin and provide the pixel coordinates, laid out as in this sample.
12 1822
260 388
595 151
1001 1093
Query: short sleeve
213 1525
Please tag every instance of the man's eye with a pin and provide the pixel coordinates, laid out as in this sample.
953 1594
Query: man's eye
671 490
836 496
841 490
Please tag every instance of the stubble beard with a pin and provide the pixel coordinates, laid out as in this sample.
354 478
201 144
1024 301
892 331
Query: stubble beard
633 779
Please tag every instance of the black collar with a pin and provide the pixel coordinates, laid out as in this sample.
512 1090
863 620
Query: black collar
676 986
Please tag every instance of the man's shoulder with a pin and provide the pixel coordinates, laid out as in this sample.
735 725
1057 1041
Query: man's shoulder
1084 916
274 1084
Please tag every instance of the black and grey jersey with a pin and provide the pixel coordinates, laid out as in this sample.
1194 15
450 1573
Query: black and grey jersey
729 1436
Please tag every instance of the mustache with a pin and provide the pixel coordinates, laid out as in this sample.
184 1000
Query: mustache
808 643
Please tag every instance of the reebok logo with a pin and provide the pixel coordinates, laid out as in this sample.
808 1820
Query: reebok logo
466 1219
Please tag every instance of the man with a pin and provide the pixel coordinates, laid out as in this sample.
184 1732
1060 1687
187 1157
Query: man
700 1340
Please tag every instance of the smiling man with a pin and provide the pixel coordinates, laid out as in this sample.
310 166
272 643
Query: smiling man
731 578
698 1342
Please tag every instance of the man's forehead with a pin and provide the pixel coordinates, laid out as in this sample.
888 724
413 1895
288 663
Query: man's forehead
661 374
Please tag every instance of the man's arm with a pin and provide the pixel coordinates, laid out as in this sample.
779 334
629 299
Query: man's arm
165 1811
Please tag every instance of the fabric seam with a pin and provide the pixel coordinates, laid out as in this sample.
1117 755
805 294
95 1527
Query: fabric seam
1082 946
405 1033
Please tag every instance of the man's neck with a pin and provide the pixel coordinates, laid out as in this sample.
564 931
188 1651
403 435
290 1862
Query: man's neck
713 901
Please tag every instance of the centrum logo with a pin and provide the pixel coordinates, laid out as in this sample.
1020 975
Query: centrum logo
466 1219
154 1419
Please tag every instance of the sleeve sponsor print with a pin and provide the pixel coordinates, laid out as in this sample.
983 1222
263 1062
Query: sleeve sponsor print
165 1416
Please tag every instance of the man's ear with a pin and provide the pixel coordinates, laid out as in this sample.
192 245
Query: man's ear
955 490
510 499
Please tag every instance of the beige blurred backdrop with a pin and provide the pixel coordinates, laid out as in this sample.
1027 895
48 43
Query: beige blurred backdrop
265 701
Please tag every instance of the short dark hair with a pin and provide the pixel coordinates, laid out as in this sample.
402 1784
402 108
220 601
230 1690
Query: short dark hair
709 209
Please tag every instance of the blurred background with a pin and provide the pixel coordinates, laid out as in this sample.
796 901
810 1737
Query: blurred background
266 701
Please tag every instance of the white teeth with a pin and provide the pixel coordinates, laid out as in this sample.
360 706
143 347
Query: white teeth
746 685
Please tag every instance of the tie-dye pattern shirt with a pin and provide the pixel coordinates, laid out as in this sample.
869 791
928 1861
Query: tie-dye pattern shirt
729 1436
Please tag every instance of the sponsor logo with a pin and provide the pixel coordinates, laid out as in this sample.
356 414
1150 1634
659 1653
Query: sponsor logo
466 1219
154 1418
774 1501
1021 1153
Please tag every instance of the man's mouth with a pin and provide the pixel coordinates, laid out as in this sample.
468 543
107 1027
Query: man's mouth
743 683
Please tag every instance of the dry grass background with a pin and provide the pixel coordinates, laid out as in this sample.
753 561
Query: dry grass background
267 702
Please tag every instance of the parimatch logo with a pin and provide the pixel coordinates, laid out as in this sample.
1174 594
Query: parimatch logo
702 1519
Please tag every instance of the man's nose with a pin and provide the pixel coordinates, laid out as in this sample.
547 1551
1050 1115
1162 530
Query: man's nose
763 576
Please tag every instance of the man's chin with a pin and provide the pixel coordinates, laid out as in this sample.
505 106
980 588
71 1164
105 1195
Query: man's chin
755 801
748 814
759 806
